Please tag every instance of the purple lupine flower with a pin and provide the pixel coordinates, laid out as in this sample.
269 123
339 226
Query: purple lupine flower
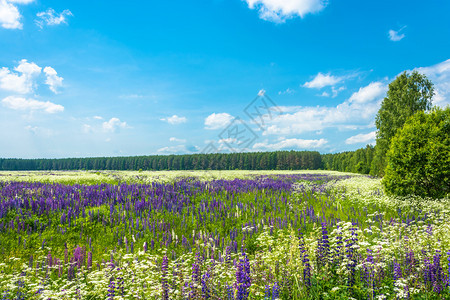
338 254
111 288
243 280
397 271
430 229
427 277
205 287
228 255
305 261
196 278
268 293
145 247
230 293
78 256
369 273
437 272
121 286
165 285
448 259
89 261
49 259
323 247
275 291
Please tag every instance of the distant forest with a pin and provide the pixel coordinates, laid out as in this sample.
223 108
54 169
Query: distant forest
358 161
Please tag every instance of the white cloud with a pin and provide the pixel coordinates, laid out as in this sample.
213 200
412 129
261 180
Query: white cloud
53 80
114 125
369 93
336 91
217 121
178 149
359 109
174 139
368 138
10 15
280 10
21 81
20 103
439 74
291 143
323 80
98 118
174 120
396 36
51 18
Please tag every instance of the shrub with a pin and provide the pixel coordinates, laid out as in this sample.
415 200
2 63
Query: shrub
419 156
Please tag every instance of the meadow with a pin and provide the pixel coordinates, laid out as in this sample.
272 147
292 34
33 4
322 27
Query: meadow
218 235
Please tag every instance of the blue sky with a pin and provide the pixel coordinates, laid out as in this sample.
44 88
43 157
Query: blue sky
109 78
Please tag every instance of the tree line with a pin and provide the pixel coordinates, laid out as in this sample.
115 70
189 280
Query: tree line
278 160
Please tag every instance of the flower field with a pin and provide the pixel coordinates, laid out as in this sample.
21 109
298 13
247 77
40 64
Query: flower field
218 235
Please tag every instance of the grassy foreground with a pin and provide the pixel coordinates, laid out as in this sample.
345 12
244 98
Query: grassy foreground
218 235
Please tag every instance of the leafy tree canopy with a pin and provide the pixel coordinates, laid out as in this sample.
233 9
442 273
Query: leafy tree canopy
407 94
418 161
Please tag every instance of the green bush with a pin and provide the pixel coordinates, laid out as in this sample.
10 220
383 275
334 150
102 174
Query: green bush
418 161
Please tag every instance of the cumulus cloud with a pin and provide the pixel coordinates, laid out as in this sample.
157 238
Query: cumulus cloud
368 93
23 80
280 10
10 15
217 121
20 103
51 18
360 108
114 125
53 80
439 74
323 80
174 120
368 138
395 35
291 143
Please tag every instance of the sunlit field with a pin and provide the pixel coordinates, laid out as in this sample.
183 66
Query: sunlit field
218 235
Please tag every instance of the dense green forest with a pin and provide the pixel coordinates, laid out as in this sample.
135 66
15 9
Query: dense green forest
355 161
280 160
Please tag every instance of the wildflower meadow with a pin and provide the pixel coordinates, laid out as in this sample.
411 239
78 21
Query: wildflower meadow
229 235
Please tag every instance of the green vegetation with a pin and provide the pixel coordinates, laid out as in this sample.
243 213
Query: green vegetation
279 160
274 236
407 94
419 156
358 161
